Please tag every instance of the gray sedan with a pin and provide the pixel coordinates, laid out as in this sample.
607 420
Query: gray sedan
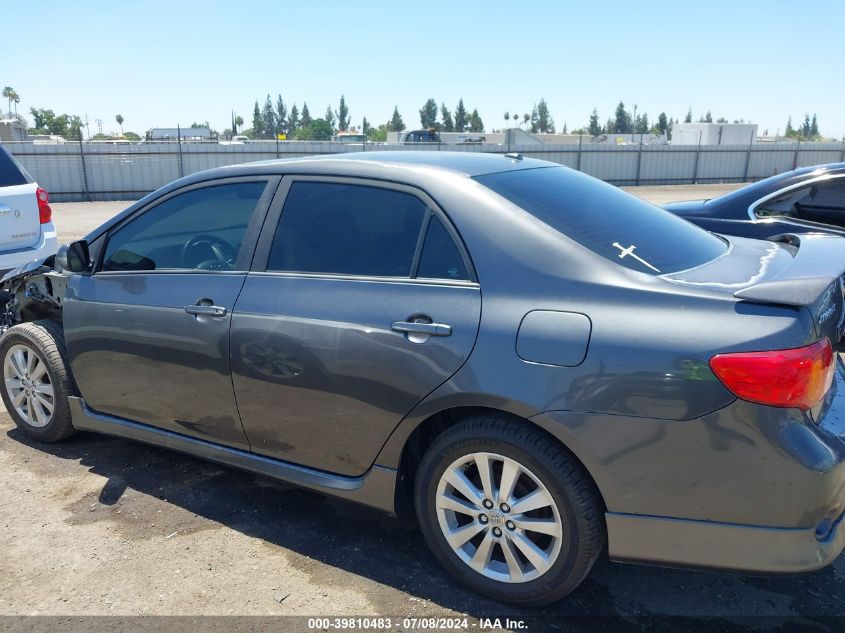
532 362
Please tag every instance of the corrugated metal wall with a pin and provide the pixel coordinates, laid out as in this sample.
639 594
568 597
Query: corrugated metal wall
94 171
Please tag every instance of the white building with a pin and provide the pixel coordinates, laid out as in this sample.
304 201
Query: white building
714 133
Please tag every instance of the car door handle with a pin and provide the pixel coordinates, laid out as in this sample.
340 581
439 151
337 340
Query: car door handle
206 310
432 329
5 208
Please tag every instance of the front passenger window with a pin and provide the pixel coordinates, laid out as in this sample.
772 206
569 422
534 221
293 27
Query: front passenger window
201 229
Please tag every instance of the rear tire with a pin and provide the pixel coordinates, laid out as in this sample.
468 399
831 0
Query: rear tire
535 523
37 380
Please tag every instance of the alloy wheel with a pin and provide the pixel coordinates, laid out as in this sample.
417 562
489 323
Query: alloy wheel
498 517
28 385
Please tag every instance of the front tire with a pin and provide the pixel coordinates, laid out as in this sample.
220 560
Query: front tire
37 380
508 511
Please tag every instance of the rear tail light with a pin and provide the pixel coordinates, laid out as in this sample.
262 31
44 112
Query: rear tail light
45 213
783 378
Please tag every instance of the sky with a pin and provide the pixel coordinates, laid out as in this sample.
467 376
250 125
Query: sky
160 63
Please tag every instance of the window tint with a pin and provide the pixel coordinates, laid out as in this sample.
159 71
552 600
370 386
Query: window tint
440 257
347 229
822 201
200 229
608 221
11 173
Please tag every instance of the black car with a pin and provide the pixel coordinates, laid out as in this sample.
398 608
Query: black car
806 200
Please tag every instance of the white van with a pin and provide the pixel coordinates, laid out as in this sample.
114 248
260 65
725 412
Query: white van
27 231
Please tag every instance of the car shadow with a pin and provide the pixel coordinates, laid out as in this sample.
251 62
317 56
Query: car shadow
364 542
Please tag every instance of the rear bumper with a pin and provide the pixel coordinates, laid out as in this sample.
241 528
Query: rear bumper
705 544
46 246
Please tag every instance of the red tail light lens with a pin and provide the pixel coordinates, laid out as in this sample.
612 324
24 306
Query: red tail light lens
45 213
782 378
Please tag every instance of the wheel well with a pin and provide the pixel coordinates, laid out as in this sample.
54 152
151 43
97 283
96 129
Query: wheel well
428 430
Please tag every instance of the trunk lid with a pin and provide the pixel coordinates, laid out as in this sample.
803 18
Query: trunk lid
20 225
792 270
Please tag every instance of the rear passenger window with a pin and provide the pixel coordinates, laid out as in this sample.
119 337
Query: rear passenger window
347 229
441 258
11 173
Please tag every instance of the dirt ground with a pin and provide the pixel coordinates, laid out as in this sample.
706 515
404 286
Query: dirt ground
101 526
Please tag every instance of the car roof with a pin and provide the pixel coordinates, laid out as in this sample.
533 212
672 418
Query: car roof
374 164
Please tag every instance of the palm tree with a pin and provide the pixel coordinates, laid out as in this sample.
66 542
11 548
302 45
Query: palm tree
507 117
8 91
239 121
16 98
119 119
526 118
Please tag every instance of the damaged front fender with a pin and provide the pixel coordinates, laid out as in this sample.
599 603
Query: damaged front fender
33 291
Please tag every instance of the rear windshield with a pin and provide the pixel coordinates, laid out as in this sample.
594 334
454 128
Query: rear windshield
608 221
10 172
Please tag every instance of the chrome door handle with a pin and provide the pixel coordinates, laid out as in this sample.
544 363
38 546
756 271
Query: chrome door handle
5 208
431 329
206 310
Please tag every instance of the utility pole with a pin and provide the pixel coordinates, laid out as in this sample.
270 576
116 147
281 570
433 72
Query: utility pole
88 129
99 123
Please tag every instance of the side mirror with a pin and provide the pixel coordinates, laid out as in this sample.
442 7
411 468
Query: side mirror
74 257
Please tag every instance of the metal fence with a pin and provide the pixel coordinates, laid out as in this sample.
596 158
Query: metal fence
101 171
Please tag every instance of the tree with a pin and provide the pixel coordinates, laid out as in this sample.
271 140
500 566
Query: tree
609 127
622 124
460 116
268 114
378 134
814 128
688 117
641 124
722 119
239 122
526 118
305 120
16 99
475 122
805 127
329 118
281 115
507 118
257 121
293 119
595 128
342 115
428 114
790 131
662 125
396 124
708 118
119 119
8 94
545 124
448 124
321 130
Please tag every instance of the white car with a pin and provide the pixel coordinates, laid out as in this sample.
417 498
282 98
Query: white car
27 231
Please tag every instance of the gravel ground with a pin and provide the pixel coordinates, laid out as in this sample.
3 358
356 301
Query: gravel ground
100 526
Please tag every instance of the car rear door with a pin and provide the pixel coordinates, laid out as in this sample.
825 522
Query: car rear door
361 301
20 226
148 332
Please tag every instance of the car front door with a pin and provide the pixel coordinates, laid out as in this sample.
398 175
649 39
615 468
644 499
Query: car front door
361 302
148 332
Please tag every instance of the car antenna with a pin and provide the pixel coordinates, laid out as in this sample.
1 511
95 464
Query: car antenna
513 155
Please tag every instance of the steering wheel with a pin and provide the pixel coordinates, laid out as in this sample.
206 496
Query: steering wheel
208 252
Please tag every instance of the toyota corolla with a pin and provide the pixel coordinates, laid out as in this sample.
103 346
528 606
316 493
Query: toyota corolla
531 361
